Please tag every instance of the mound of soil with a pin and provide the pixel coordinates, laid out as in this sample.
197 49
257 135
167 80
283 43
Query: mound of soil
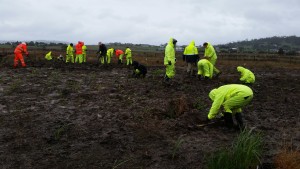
99 117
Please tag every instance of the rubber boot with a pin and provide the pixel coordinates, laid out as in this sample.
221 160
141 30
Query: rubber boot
239 120
228 120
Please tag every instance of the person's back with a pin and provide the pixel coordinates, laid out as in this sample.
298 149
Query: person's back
139 70
128 56
170 60
119 54
78 48
79 56
205 69
232 97
48 56
19 50
110 53
190 56
246 75
84 50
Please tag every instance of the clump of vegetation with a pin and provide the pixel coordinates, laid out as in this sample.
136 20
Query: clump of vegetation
60 131
199 104
245 153
177 107
157 72
288 158
16 86
118 163
176 147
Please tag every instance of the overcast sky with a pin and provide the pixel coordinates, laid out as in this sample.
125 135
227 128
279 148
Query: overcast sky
148 21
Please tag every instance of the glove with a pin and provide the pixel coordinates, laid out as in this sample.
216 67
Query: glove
169 62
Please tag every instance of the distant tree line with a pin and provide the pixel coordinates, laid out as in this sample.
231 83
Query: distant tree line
289 45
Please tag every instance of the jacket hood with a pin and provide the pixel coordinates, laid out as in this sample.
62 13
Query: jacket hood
171 42
192 43
212 94
240 68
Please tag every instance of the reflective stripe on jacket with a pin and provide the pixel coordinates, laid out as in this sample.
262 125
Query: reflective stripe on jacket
21 48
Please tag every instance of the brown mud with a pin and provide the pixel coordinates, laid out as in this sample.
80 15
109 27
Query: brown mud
89 116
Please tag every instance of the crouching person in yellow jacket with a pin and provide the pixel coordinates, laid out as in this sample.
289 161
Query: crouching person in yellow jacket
48 56
246 75
232 97
205 69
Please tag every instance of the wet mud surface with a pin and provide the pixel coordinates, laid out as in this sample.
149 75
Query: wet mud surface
99 117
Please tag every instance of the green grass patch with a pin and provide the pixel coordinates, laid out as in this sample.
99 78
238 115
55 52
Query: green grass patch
245 153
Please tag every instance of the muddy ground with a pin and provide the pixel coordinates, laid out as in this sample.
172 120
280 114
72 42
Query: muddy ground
98 117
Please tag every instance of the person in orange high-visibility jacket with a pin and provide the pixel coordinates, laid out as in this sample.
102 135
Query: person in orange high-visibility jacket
78 48
119 55
19 50
246 75
232 98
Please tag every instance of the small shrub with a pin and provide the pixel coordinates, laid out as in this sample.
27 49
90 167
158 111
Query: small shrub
199 104
118 163
177 145
287 159
245 153
157 72
16 86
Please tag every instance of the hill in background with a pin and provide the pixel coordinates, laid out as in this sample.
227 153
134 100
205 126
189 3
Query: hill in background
284 44
289 44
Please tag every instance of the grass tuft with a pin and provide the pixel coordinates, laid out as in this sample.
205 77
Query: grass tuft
245 153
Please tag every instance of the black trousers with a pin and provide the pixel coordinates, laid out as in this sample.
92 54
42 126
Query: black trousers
229 121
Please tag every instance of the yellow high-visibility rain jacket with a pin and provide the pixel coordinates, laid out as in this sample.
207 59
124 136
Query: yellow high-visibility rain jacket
110 52
205 68
128 53
48 56
210 53
232 97
84 49
191 49
246 75
169 53
70 50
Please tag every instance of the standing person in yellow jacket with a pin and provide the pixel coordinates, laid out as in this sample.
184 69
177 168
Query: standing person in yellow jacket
191 57
210 55
109 55
128 56
70 55
232 97
169 59
246 75
84 50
